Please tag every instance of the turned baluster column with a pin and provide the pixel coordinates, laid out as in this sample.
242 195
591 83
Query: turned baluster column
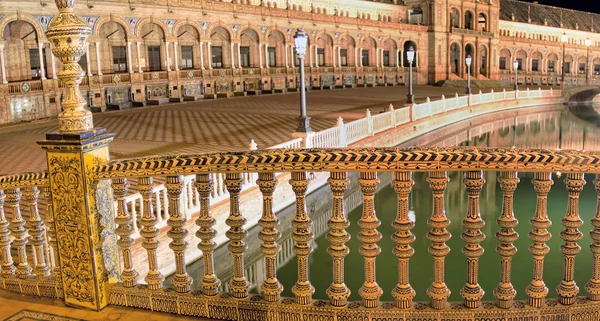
239 284
37 230
303 289
403 237
539 235
124 231
210 282
505 292
181 281
8 269
19 232
52 243
438 292
271 288
593 285
472 291
338 292
567 289
370 292
149 232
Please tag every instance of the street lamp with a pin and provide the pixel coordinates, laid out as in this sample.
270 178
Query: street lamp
468 60
564 38
410 56
588 43
516 66
300 40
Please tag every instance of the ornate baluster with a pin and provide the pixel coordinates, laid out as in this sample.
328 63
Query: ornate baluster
37 231
303 289
593 286
8 269
149 232
17 227
438 292
370 292
271 288
181 281
210 282
504 292
51 232
338 292
472 235
124 231
239 284
567 289
539 235
403 292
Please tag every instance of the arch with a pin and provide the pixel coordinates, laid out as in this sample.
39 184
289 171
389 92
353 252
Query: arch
283 32
111 18
455 61
181 23
505 59
253 28
596 66
216 25
482 22
188 37
521 57
22 52
536 59
407 45
582 65
41 36
416 15
348 43
454 17
468 20
152 20
112 37
220 37
470 51
321 34
249 40
324 43
482 57
552 62
276 39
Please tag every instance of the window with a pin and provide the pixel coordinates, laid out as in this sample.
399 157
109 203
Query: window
567 67
582 68
386 58
217 57
344 57
321 56
520 60
551 66
187 57
245 56
154 58
365 57
119 58
502 63
596 69
535 65
272 58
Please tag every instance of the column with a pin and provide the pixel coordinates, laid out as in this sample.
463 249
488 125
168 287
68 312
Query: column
129 61
53 63
139 56
98 58
209 55
377 57
87 58
355 57
417 58
266 55
260 54
2 64
339 53
360 56
232 55
175 55
292 58
201 56
401 58
167 54
40 50
333 56
316 56
239 55
287 65
397 58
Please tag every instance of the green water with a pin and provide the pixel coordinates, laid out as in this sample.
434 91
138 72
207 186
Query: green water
554 126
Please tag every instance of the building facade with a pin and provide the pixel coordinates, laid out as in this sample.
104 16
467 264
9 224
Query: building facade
154 51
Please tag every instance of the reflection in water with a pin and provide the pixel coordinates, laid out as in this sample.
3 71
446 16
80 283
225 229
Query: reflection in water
547 127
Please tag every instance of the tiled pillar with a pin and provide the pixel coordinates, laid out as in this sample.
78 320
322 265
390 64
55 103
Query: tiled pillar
167 54
239 52
209 54
266 55
260 54
231 47
176 55
53 64
129 61
201 56
139 56
2 64
41 53
98 58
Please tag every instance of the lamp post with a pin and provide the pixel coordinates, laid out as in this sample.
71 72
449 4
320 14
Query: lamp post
410 56
588 43
516 66
300 40
564 38
468 61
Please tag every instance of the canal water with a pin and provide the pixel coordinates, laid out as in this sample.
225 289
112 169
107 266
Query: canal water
540 127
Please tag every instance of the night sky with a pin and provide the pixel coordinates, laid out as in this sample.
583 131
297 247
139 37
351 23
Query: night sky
583 5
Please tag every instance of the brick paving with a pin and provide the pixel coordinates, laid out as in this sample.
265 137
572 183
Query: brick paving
211 125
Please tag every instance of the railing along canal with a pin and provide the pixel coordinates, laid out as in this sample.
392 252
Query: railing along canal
238 304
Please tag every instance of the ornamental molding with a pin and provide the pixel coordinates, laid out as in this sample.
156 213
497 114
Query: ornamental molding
263 29
235 27
170 24
133 22
44 21
204 25
91 20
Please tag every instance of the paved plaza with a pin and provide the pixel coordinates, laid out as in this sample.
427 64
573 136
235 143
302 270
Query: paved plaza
210 125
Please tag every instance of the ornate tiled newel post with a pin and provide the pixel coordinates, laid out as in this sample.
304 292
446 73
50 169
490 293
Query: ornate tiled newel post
83 215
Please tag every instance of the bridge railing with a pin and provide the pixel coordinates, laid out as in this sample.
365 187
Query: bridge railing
367 164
